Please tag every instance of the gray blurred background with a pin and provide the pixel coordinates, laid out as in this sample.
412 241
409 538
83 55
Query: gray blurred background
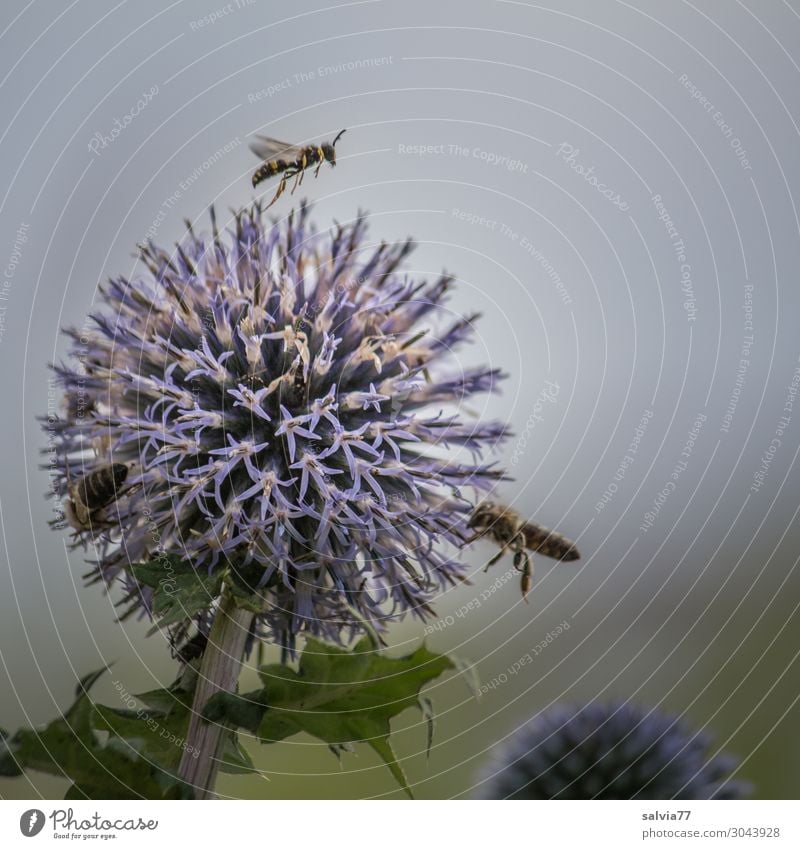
607 180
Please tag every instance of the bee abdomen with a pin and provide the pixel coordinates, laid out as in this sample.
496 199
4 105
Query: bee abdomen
99 487
549 543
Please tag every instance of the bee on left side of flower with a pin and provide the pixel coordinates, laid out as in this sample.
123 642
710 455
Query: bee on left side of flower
88 497
513 533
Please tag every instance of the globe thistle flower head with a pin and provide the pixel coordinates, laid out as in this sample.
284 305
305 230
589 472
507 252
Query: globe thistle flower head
608 751
283 410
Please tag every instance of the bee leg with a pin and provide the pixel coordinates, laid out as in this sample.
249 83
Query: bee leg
321 156
275 196
298 178
281 189
476 536
520 555
526 582
495 558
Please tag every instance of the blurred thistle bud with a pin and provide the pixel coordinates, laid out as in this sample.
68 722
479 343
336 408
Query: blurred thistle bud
608 751
267 399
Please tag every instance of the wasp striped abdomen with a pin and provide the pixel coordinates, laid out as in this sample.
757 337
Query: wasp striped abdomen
270 169
290 160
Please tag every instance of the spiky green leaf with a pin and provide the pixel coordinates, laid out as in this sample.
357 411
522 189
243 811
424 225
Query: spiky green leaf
70 747
339 696
178 590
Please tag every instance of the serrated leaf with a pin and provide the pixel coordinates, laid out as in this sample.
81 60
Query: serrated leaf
161 729
158 731
179 591
336 695
164 700
88 681
244 711
156 736
69 747
426 707
469 673
234 758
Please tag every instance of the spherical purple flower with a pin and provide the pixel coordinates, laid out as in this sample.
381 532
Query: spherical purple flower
608 751
285 407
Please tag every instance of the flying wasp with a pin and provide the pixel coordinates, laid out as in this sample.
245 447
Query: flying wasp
84 509
513 533
290 160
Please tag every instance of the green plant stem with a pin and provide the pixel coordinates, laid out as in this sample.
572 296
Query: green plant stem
219 671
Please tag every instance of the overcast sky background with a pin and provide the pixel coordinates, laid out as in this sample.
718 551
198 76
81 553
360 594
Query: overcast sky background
606 179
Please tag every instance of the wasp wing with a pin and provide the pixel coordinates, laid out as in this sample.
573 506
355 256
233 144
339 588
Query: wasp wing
266 148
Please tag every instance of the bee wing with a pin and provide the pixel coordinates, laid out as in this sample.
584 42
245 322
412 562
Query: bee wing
266 148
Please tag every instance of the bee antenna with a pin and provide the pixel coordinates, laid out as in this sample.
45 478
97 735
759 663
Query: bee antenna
333 144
